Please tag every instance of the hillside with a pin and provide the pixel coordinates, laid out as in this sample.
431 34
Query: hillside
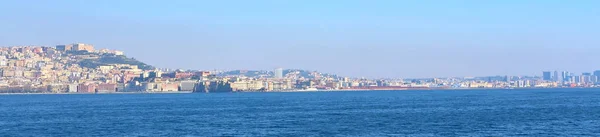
104 59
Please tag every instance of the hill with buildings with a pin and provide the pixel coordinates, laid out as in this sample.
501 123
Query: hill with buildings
54 69
108 59
89 58
81 68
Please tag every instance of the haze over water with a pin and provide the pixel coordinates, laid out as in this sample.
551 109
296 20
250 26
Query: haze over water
526 112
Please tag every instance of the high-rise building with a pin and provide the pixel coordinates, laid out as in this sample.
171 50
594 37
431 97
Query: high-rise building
597 73
565 76
594 79
573 79
520 83
586 79
557 77
547 75
278 73
528 83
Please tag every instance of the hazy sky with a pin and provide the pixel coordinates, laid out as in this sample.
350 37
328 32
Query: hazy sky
370 38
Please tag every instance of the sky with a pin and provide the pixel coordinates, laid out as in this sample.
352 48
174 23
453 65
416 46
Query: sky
356 38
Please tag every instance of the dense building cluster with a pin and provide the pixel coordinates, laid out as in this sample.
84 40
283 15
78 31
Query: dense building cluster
80 68
57 69
568 79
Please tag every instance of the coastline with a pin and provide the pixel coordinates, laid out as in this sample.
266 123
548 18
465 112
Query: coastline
83 93
331 90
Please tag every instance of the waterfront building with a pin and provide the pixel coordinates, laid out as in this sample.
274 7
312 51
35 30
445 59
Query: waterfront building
187 85
105 87
71 88
86 88
170 87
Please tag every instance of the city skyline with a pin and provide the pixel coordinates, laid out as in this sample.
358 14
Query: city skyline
85 68
299 67
373 39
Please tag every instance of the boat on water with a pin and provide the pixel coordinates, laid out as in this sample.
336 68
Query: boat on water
309 89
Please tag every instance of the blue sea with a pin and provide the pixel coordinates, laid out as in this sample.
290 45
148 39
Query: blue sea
527 112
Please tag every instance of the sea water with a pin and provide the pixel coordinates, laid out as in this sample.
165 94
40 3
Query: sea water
526 112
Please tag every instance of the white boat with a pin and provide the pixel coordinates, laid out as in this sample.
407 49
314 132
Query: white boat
309 89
